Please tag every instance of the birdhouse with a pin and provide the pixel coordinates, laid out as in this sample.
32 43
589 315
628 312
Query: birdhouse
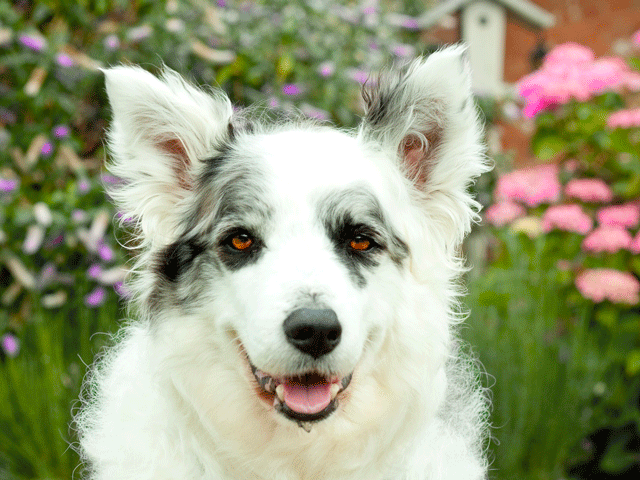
483 28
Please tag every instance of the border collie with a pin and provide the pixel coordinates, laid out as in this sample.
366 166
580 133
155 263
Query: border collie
296 287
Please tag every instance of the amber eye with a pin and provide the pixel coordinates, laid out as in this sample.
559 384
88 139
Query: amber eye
360 243
241 241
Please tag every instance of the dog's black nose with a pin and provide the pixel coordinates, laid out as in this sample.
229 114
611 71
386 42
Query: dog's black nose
313 331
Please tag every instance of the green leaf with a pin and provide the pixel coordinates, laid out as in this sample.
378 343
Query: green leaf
547 146
607 316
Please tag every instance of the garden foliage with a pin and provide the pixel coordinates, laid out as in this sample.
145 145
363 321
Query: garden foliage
562 287
61 261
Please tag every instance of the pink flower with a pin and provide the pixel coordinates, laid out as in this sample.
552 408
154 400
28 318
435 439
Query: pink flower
627 215
605 73
569 53
571 71
591 190
504 212
570 218
635 38
631 81
607 239
533 186
606 284
628 118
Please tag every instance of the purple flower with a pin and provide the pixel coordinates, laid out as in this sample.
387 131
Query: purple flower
291 89
84 186
121 290
79 216
326 69
61 131
273 102
120 216
316 113
403 50
359 76
105 252
7 185
10 345
48 273
94 271
110 179
411 23
46 149
96 297
64 60
34 42
222 3
54 242
112 42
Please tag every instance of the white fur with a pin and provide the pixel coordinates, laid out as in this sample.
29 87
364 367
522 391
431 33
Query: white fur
174 398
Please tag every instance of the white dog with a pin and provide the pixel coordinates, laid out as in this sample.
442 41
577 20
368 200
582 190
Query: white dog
296 287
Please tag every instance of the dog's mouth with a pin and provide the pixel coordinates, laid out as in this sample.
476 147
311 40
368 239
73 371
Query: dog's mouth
303 398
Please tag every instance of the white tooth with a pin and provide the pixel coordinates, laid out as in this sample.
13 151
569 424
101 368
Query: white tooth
280 392
335 388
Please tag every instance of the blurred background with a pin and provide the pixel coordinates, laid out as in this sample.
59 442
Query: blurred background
554 290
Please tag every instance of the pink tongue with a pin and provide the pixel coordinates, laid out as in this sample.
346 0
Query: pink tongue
307 398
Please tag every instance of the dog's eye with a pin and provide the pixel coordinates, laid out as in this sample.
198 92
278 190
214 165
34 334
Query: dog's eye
361 243
241 241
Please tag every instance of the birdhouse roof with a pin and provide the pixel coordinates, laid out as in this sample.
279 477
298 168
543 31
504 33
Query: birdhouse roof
525 9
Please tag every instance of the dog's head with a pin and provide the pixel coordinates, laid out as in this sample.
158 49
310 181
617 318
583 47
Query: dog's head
309 261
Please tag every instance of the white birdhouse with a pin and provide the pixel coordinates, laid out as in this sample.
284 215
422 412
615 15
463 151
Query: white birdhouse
483 29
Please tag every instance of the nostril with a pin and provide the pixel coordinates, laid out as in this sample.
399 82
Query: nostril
334 335
302 334
315 332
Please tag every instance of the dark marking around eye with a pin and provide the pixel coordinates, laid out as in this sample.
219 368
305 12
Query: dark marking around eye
175 259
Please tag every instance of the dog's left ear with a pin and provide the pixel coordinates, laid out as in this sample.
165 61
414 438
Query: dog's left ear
425 116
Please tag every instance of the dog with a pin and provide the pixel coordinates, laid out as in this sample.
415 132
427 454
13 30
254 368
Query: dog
296 287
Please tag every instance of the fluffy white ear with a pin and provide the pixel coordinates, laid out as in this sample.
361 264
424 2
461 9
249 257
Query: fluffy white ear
426 117
162 129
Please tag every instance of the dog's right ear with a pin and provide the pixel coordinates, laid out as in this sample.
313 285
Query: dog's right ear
426 118
162 129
